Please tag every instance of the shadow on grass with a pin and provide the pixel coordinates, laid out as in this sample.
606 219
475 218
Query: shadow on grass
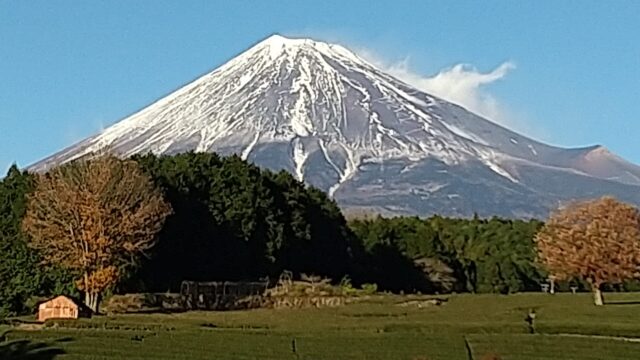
27 349
617 303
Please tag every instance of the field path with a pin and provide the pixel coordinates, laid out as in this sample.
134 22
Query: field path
601 337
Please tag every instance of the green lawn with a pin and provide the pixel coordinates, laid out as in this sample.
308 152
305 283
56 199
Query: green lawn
568 327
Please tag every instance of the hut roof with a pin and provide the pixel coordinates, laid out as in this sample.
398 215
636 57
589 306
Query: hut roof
74 300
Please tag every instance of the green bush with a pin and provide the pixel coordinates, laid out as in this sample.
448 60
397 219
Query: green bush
147 302
369 289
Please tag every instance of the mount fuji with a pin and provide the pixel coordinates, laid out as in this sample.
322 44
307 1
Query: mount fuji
371 141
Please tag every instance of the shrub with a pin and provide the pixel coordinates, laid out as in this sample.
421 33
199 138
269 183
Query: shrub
346 287
369 289
133 303
31 304
125 303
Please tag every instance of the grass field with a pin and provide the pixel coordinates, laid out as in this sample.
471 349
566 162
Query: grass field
567 327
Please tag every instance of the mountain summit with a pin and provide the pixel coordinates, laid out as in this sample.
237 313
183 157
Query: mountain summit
371 141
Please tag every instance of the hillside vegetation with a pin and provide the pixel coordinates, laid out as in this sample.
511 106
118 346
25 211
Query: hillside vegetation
234 221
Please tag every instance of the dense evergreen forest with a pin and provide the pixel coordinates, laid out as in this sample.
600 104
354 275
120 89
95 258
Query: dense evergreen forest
21 274
234 221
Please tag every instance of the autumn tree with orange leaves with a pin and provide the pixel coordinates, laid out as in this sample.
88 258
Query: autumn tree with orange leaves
95 217
597 241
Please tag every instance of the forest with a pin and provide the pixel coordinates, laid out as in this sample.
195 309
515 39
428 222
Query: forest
231 220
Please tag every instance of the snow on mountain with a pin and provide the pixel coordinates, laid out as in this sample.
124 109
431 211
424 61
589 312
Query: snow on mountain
373 142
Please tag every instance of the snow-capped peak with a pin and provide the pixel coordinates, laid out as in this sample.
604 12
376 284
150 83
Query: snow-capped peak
278 41
277 45
323 96
326 115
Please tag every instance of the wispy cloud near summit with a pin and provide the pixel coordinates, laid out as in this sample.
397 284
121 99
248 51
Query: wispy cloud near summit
462 84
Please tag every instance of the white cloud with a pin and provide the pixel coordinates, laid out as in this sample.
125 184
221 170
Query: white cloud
461 84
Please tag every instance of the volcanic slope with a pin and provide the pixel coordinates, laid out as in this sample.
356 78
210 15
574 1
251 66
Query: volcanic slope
371 141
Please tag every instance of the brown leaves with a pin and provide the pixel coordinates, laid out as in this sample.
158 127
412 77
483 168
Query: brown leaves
597 240
95 216
98 280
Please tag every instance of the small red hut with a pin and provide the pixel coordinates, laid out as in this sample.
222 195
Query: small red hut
62 307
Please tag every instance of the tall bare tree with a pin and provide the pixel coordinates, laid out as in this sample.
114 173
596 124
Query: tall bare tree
96 217
597 240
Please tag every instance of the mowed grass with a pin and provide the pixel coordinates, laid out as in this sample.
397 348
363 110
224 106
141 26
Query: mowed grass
567 327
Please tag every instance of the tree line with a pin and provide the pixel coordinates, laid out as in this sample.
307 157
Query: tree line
22 274
147 223
462 255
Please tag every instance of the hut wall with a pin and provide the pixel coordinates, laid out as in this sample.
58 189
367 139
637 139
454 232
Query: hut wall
58 308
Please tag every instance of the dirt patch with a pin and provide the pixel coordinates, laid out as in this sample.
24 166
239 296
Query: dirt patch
29 327
288 302
423 303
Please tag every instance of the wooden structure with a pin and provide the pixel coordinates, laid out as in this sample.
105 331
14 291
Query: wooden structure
62 307
223 295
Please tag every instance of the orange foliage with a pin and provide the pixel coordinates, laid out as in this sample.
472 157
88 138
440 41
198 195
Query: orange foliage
99 280
598 241
95 217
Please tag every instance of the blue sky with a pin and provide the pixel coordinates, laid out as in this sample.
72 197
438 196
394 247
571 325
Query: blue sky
567 72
